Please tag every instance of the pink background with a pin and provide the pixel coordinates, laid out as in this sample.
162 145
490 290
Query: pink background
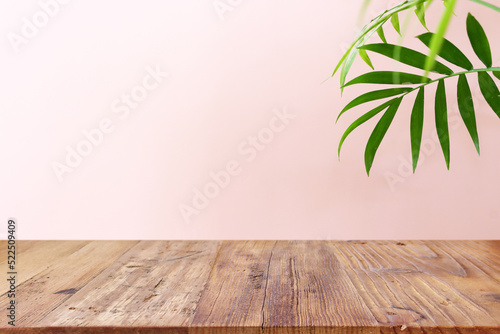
227 76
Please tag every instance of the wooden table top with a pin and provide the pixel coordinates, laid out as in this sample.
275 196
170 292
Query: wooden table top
254 287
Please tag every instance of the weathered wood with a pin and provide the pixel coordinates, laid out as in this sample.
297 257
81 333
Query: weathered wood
310 271
33 258
20 245
237 282
247 287
42 293
424 284
154 283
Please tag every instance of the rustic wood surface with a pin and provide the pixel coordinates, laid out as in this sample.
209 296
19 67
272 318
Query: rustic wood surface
255 287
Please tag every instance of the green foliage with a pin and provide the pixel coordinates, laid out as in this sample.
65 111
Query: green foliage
490 91
380 32
379 133
417 126
395 23
420 12
441 118
435 44
345 63
484 3
387 77
365 117
479 40
448 51
372 96
406 56
466 108
407 83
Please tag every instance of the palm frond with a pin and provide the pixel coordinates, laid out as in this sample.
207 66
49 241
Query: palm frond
417 83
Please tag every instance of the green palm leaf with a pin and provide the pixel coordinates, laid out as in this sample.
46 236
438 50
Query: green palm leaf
490 91
441 117
388 77
345 69
395 23
448 51
437 45
347 59
364 56
374 95
416 126
420 12
380 32
406 56
478 40
379 132
466 108
436 42
363 119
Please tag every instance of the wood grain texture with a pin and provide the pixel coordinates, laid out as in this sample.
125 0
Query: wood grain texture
275 287
237 282
152 284
22 246
42 293
310 271
423 284
33 258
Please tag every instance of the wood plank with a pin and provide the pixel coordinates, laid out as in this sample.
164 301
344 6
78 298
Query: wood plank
421 285
307 286
261 287
38 257
256 285
52 286
21 246
155 283
235 291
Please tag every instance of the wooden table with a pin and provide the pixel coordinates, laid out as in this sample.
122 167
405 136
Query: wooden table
255 287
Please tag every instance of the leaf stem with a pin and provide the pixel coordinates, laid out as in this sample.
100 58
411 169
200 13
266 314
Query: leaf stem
484 3
488 69
437 38
372 26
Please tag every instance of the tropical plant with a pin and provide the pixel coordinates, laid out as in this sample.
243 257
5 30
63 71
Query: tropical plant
407 83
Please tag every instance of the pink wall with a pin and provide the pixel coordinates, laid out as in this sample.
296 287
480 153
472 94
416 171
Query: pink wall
230 74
